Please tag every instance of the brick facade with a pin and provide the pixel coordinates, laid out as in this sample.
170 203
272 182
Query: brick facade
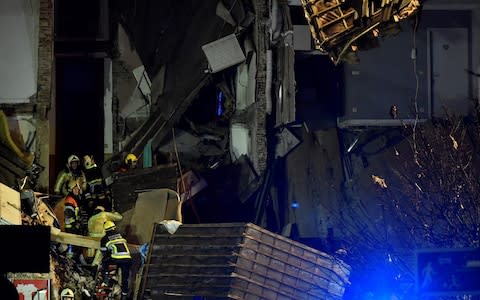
45 93
45 54
259 142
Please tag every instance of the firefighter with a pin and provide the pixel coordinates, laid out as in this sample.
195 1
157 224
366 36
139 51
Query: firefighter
71 211
72 171
97 191
129 163
115 252
95 224
67 294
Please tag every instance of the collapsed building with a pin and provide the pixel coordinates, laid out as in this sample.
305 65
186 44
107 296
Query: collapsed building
205 95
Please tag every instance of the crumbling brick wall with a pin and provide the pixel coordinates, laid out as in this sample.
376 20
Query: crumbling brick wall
260 135
43 101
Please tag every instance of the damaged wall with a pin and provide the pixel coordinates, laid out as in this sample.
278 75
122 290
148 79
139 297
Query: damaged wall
19 21
45 94
314 186
318 207
26 92
129 105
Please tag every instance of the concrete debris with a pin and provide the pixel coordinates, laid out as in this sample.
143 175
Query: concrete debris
68 273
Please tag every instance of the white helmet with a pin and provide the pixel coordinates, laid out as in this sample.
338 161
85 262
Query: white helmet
71 159
67 294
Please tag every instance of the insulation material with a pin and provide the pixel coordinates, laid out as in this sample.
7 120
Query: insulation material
240 140
10 209
6 138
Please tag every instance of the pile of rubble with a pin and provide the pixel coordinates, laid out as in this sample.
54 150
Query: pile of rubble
31 209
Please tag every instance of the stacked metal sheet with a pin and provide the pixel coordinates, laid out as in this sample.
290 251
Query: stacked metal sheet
238 261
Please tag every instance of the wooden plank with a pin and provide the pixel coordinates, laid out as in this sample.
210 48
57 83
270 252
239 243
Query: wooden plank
192 260
59 236
205 269
202 240
74 239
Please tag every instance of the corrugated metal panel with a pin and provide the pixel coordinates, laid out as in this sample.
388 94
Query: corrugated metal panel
239 261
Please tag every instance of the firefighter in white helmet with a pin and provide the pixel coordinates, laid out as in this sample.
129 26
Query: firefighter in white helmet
67 294
97 193
72 171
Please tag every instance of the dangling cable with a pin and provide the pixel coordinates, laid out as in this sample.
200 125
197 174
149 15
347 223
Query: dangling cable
179 209
417 80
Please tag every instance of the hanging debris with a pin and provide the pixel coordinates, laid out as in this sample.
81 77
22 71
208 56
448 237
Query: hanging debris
340 27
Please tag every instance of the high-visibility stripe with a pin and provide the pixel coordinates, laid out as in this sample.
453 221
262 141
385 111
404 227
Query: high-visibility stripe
73 209
119 248
95 181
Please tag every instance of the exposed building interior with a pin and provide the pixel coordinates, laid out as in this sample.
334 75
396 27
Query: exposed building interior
240 149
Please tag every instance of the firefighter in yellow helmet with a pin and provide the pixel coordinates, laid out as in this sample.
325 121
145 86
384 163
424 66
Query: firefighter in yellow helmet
72 171
97 192
129 163
67 294
115 252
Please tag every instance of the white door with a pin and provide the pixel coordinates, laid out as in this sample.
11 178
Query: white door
449 62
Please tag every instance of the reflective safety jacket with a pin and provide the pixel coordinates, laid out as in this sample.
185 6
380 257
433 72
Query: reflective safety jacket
65 176
96 187
95 226
114 246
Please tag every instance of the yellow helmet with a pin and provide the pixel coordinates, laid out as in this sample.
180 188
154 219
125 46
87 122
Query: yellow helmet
67 294
109 225
72 183
130 158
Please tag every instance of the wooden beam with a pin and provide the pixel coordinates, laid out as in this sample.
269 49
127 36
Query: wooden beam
74 239
56 235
